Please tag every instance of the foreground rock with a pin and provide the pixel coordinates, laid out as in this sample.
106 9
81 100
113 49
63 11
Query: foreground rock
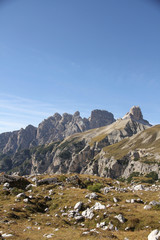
154 235
14 181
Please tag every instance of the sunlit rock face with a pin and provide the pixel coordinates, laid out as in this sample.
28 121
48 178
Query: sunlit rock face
135 113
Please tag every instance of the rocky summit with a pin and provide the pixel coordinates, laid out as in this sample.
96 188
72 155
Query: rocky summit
136 114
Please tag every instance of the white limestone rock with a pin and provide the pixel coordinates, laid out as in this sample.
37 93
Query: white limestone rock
98 206
147 207
78 206
120 218
154 235
91 196
88 213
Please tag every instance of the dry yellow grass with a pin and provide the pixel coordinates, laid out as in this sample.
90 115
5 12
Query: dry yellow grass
24 222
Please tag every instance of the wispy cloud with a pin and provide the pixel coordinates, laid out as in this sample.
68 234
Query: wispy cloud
25 106
17 112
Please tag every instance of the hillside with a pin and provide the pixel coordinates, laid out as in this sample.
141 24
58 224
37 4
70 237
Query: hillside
77 207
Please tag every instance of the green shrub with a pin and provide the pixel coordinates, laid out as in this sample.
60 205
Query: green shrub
62 178
132 175
152 175
95 187
157 207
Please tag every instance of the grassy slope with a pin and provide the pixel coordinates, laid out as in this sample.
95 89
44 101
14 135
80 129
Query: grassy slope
17 216
149 140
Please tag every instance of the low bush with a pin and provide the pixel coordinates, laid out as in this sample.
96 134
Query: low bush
95 187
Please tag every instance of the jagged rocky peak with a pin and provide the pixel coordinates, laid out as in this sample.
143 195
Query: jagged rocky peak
54 128
100 118
135 113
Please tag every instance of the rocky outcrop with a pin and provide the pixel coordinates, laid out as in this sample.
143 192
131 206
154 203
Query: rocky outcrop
14 181
17 140
92 157
136 114
59 127
100 118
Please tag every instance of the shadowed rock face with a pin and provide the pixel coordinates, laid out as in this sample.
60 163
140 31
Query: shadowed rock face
17 140
100 118
54 128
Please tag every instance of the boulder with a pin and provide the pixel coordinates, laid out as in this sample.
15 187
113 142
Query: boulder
78 206
120 218
14 181
88 213
91 196
98 206
154 235
47 181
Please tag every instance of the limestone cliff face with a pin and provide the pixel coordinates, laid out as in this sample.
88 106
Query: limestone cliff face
87 152
22 139
59 127
136 114
54 128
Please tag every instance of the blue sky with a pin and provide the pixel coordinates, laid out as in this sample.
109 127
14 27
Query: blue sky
68 55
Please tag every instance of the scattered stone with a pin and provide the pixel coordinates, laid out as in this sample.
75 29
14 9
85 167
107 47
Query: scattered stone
88 213
106 190
139 187
110 226
21 195
91 196
48 235
79 218
47 181
120 218
147 207
115 200
85 233
14 181
154 235
6 185
5 235
78 206
98 206
133 200
30 186
50 192
154 203
100 225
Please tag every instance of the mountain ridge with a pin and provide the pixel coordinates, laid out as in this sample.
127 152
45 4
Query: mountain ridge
53 128
107 151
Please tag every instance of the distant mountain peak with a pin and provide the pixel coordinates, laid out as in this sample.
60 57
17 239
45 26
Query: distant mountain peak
135 113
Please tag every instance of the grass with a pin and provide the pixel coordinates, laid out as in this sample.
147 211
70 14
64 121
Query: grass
23 219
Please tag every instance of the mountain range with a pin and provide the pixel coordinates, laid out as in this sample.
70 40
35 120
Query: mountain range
98 145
